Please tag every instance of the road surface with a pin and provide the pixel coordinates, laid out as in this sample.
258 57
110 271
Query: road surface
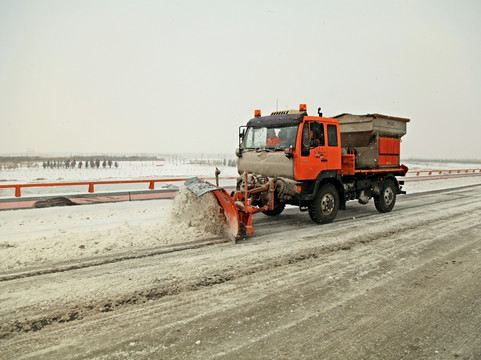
402 285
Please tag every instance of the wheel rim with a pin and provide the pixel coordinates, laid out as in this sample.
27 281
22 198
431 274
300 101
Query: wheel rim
388 196
327 204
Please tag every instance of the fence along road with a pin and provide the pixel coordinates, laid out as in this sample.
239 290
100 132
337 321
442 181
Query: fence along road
91 197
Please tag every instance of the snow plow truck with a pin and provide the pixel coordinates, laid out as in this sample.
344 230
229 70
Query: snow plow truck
313 162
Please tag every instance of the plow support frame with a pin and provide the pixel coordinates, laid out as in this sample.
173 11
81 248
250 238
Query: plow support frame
247 210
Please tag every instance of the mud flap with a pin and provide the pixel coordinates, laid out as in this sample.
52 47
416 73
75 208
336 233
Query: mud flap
231 214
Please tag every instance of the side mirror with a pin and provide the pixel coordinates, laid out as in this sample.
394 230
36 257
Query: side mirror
289 152
242 133
238 152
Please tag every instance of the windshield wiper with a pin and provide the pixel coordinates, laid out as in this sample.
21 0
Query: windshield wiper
264 149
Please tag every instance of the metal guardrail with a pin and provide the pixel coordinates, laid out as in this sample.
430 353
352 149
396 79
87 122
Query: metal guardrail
91 184
433 174
445 172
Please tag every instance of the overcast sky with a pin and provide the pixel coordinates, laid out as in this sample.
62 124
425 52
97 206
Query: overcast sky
182 76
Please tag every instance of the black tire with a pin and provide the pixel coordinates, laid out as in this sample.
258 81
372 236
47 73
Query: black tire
323 208
278 209
386 200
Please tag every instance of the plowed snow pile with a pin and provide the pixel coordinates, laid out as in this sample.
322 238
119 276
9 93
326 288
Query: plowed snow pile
48 239
201 213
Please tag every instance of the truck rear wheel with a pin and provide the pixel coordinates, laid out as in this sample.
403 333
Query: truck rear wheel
386 200
323 208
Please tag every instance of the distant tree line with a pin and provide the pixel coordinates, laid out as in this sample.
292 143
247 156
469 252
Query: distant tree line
9 165
49 162
27 158
218 162
73 164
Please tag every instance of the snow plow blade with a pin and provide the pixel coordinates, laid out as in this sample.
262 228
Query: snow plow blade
226 202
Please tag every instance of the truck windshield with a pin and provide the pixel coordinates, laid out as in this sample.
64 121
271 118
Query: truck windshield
270 138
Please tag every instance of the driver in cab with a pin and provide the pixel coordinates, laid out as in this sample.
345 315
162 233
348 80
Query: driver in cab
272 138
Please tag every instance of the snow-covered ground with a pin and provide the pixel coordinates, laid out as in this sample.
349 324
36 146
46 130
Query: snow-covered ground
127 170
32 237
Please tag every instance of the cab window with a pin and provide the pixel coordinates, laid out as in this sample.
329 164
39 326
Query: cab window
332 135
313 134
272 138
317 130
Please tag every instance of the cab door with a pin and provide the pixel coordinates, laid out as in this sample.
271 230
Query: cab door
320 148
333 144
313 157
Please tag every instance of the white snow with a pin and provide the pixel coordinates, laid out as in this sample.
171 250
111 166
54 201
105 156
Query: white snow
412 187
35 237
128 170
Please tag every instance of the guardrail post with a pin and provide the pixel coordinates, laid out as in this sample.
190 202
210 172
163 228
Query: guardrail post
151 185
91 187
17 191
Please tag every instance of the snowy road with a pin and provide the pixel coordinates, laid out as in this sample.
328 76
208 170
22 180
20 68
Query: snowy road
405 284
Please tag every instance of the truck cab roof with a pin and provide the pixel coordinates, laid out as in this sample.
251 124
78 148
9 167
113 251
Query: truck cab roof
277 120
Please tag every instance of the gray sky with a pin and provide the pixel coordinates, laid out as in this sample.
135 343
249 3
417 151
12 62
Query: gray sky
181 76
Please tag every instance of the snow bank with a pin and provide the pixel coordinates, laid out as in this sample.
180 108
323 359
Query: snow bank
201 213
36 237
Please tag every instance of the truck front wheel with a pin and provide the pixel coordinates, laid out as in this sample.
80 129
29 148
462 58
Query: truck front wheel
278 209
386 200
323 208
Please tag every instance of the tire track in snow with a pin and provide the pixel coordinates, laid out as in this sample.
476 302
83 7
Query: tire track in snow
191 245
81 311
